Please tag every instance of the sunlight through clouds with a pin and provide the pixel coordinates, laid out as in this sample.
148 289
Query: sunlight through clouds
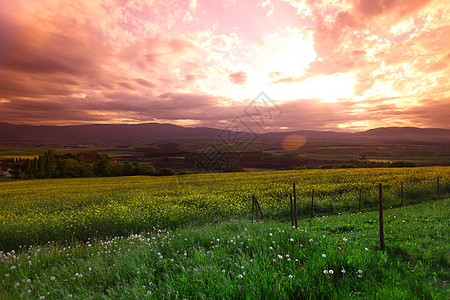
120 58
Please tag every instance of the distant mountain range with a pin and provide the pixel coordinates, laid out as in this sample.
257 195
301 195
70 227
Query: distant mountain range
153 132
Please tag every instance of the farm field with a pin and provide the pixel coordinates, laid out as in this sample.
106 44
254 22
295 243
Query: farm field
32 152
330 257
37 211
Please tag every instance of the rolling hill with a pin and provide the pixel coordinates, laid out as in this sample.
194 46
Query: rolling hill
152 132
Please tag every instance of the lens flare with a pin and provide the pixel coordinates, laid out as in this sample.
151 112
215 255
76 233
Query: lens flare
293 142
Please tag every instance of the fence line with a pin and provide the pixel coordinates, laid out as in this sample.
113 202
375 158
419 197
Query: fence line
294 213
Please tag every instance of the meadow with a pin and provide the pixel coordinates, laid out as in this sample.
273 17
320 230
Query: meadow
330 257
37 211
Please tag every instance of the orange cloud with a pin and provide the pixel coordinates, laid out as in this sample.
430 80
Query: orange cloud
328 65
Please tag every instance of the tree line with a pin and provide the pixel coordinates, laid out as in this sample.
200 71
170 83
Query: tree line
69 165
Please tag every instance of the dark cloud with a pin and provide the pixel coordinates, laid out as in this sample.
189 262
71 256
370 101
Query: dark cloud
67 69
368 9
144 82
238 77
430 113
209 110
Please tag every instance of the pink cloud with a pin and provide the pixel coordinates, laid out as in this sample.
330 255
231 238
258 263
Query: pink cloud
140 62
238 77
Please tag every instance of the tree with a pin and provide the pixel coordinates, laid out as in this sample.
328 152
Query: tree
69 168
147 170
402 164
127 169
166 172
347 166
86 169
49 164
104 167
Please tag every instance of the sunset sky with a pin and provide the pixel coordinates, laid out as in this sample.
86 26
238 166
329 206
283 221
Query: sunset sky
326 65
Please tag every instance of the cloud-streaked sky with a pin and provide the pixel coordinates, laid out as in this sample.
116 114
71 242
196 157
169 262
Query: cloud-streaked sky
326 65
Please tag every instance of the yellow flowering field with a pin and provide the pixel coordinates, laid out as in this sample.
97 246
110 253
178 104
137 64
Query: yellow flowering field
37 211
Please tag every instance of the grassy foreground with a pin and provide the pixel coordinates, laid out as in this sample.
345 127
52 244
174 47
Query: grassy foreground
333 257
37 211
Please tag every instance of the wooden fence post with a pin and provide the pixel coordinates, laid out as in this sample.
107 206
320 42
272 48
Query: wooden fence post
259 207
295 207
292 213
381 216
312 204
359 202
253 206
438 188
256 207
401 193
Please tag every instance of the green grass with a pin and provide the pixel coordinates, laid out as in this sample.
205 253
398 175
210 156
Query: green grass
36 211
237 259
